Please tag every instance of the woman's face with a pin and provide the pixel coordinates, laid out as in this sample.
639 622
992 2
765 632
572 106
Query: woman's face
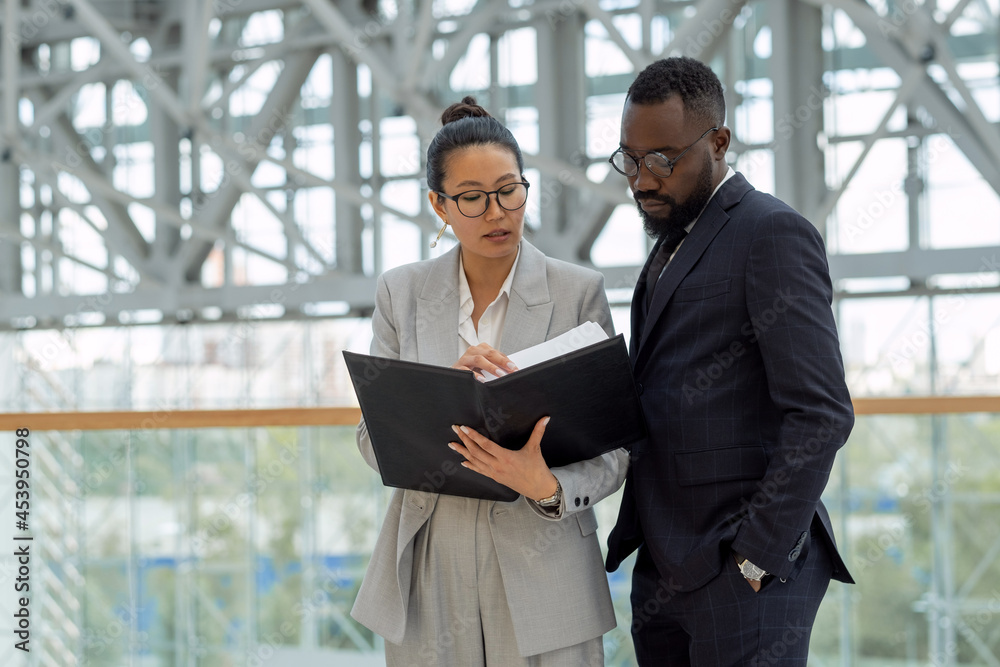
496 232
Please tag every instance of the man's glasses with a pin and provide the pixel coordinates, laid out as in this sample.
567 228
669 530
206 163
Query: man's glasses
657 163
473 203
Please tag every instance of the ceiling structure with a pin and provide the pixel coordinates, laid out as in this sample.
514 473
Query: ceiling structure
109 219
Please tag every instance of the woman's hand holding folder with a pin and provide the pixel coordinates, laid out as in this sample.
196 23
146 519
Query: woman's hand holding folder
482 359
523 470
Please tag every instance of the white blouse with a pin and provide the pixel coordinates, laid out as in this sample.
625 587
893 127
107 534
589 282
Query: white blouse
492 319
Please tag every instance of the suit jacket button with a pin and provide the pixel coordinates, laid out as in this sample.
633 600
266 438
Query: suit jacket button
802 539
638 388
576 501
586 500
794 554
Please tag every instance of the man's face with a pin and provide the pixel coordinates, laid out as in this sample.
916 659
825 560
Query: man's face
664 127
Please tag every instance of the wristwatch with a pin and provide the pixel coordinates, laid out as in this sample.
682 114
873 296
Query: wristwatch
748 569
554 499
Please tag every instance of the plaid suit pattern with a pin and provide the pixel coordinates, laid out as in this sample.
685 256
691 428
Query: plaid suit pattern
743 388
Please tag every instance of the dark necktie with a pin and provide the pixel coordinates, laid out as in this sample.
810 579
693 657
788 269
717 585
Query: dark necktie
671 239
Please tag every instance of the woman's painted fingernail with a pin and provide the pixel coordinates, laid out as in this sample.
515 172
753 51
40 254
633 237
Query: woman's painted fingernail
464 430
512 366
500 372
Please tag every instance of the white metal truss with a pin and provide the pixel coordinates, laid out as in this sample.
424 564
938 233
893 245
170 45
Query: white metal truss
186 60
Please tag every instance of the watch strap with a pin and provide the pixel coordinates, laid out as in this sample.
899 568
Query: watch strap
554 499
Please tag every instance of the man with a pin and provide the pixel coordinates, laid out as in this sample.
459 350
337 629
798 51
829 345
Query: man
735 354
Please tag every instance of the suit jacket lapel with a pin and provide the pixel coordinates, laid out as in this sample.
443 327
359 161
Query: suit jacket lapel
712 220
529 309
437 312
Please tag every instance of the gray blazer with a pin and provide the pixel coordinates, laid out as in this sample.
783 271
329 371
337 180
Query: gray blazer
552 569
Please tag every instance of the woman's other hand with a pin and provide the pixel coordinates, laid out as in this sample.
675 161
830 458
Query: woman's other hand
523 470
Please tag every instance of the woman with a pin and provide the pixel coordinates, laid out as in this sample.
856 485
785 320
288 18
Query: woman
464 582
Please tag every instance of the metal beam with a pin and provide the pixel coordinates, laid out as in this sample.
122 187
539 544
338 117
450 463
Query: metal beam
111 41
797 74
904 94
883 36
345 116
417 105
10 173
561 91
701 36
918 264
121 232
187 302
274 116
639 57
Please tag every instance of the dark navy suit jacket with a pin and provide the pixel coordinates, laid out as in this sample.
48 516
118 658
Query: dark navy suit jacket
741 379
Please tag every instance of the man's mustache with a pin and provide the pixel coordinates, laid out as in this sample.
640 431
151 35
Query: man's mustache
662 200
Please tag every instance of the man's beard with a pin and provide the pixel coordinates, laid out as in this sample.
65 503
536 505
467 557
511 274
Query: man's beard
683 213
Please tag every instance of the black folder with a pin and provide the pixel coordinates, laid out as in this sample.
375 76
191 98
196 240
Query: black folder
409 408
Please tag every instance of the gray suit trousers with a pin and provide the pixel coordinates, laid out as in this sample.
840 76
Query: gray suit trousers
457 600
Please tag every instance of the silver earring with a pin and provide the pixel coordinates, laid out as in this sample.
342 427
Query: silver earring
440 234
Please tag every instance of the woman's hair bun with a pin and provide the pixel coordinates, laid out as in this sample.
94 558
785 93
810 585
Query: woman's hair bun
477 128
467 108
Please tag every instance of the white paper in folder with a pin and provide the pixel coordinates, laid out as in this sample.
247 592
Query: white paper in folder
579 337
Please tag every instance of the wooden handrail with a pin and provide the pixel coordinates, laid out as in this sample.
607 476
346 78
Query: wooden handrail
349 416
136 420
926 405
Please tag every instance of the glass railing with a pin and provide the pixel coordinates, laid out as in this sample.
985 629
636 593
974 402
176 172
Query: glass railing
240 538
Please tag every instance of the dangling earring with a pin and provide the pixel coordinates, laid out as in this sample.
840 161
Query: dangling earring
440 234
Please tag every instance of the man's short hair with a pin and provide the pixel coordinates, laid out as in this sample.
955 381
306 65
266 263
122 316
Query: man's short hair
692 80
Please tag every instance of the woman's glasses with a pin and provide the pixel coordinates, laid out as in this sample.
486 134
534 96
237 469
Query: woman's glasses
473 203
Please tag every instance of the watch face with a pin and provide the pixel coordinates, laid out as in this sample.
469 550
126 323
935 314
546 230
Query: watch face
751 571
